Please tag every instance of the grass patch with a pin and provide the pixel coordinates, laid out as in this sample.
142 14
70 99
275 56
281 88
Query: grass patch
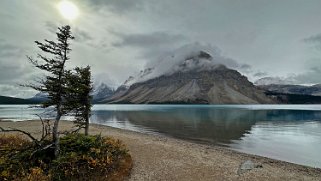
81 158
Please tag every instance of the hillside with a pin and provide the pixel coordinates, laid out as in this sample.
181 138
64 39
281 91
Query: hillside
314 90
13 100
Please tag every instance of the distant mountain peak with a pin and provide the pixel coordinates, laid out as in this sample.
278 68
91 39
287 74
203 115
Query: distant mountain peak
181 60
102 86
273 80
102 91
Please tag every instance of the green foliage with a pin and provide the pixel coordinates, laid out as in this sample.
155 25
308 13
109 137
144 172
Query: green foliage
53 62
81 157
78 97
68 91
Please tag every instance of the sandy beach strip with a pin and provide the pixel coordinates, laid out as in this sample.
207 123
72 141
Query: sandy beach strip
164 158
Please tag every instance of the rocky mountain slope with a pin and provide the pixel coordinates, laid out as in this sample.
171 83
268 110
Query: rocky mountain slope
196 80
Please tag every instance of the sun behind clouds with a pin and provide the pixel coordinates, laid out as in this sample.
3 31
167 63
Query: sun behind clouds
68 10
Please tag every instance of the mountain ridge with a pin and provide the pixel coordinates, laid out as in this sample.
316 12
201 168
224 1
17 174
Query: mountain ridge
216 86
14 100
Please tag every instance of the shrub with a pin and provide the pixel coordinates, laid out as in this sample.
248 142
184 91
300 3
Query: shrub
81 158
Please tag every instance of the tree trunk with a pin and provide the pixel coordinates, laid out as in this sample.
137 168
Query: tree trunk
87 126
55 134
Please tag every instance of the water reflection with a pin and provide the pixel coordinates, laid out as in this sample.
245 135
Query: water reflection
286 132
221 126
289 135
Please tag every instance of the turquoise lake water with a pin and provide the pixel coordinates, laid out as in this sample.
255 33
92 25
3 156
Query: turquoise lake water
286 132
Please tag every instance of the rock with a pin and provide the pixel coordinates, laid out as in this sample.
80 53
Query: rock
247 166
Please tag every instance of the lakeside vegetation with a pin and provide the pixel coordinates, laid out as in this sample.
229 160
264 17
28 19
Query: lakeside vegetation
81 157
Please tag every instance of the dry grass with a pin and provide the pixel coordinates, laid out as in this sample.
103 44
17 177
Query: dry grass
82 158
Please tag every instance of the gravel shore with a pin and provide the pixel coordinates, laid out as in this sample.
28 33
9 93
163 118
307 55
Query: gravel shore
164 158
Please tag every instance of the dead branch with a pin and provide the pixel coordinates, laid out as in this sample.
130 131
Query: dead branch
43 126
71 132
46 130
20 131
41 149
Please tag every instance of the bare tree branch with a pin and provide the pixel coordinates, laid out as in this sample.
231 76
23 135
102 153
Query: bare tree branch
20 131
41 149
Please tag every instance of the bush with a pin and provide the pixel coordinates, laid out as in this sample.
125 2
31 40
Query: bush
81 158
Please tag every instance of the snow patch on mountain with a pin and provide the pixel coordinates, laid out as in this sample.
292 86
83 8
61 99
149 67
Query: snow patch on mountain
274 80
102 91
189 57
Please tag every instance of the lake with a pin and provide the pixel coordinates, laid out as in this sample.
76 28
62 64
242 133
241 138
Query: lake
286 132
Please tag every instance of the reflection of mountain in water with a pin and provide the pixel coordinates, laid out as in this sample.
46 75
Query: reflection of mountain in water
202 124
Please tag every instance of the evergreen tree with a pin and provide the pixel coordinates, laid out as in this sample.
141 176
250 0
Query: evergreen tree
54 83
78 96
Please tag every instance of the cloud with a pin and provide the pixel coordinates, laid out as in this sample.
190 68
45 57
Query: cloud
148 40
11 66
247 31
315 40
260 74
8 50
80 35
244 68
14 70
151 46
188 57
11 91
105 78
51 27
312 76
117 6
158 47
274 80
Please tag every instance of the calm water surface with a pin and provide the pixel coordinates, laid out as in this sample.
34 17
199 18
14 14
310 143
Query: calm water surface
286 132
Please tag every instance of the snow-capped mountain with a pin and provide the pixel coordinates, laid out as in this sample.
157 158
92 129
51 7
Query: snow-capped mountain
273 80
39 97
101 92
189 57
194 77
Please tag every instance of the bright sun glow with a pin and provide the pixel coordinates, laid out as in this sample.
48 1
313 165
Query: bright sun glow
68 10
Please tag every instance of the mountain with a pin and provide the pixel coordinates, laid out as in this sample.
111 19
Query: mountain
294 94
314 90
194 79
272 80
120 91
285 98
39 97
13 100
102 92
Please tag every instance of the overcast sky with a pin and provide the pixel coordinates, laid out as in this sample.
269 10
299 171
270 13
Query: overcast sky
119 37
